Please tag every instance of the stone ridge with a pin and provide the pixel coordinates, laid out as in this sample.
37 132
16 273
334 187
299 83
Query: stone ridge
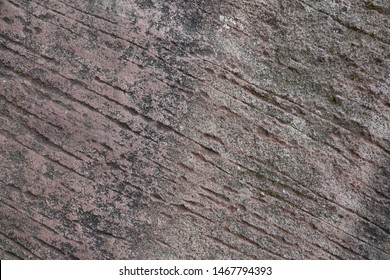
198 129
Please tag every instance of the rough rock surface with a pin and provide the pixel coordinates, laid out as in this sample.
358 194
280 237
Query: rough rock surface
204 129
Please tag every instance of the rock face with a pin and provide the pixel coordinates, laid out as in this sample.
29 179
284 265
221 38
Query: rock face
205 129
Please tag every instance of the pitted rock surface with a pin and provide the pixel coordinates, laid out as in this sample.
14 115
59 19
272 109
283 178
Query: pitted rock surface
146 129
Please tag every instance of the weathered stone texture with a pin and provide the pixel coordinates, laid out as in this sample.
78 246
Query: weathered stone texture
145 129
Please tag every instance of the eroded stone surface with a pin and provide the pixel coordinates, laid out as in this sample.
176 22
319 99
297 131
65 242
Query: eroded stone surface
194 129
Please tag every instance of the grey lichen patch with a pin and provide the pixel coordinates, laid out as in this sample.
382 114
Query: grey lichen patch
145 4
373 6
195 129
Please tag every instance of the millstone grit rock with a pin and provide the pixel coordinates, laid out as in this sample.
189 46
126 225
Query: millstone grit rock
205 129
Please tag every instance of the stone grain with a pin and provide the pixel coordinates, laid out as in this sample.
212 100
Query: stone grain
198 129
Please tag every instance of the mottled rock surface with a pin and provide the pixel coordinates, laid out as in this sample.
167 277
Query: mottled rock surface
204 129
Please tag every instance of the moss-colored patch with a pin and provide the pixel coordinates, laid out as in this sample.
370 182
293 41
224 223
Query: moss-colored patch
332 99
354 77
257 175
380 9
